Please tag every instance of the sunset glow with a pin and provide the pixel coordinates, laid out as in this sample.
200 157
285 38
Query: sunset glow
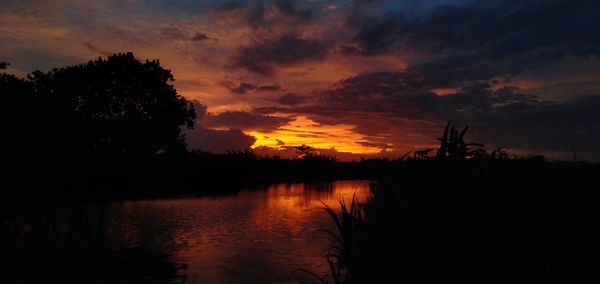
299 141
364 77
303 130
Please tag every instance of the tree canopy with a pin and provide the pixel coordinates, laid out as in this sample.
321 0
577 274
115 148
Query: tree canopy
116 105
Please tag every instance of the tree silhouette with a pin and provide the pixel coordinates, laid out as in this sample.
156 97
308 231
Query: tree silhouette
18 115
304 151
116 106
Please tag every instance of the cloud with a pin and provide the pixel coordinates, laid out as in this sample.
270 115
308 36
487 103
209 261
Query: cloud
290 99
498 26
201 37
244 120
178 34
268 88
240 88
245 87
260 15
411 95
375 145
483 39
200 109
213 140
263 56
289 9
389 107
95 49
217 141
522 73
552 127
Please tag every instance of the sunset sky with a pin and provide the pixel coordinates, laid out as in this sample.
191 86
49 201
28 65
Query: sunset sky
358 78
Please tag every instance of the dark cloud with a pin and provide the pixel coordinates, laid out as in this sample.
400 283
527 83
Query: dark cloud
178 34
230 5
290 99
374 145
217 141
484 39
95 49
201 37
289 9
359 13
240 88
202 137
200 109
410 95
262 56
315 133
552 127
244 120
467 48
173 33
244 87
260 15
388 106
500 26
268 88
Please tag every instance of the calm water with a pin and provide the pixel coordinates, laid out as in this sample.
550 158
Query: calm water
257 236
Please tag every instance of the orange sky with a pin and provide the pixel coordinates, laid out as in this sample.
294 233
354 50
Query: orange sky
362 77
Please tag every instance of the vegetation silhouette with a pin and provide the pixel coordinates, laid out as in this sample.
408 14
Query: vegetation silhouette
116 106
110 129
471 217
453 146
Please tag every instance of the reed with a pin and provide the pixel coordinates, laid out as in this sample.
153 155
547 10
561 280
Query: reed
348 255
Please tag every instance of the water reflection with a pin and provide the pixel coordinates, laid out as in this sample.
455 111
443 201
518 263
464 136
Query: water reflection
256 236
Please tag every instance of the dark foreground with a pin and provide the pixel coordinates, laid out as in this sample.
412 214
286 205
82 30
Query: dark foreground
432 221
500 222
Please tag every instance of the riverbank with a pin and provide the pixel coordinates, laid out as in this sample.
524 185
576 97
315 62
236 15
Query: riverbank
76 180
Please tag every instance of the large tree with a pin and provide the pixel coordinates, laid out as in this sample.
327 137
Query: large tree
117 106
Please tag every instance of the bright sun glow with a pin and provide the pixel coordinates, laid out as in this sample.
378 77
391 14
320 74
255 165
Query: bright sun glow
303 130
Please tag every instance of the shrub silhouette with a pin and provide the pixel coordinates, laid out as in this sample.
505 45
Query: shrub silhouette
453 146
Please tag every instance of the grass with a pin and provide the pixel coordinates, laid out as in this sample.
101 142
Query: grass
344 255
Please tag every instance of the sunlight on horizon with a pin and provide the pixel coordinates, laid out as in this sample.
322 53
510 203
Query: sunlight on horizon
303 130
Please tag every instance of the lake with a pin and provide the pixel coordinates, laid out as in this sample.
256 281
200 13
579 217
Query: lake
259 235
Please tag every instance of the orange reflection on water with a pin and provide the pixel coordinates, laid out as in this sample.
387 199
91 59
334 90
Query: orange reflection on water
257 236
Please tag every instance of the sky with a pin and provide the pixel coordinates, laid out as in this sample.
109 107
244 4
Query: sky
362 78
